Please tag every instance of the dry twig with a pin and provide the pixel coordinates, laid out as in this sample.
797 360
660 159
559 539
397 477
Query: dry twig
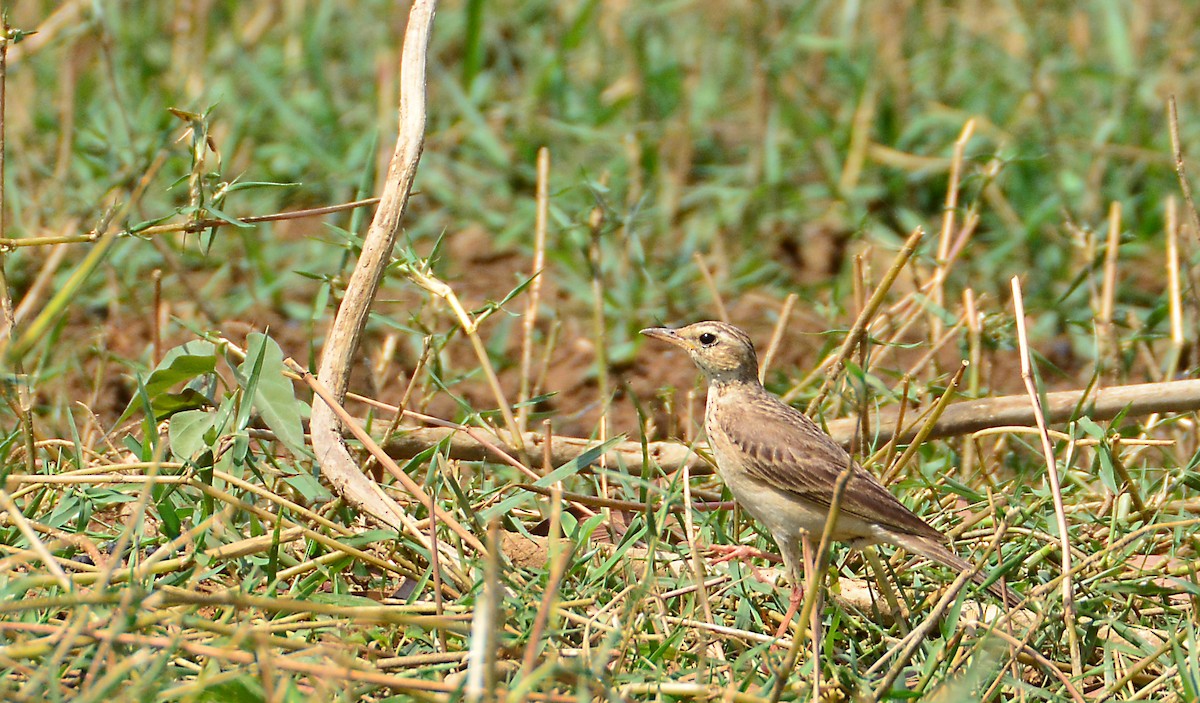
1068 588
335 460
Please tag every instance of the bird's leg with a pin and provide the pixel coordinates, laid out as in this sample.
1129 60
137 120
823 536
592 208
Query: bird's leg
797 598
794 601
729 552
787 548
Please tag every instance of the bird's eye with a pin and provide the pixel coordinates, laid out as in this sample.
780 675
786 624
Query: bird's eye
708 339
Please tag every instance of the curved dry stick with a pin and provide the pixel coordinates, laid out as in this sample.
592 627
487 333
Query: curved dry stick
344 335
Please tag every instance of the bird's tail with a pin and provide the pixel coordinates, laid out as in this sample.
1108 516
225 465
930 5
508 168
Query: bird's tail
940 553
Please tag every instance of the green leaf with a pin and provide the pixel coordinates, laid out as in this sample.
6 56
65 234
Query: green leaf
273 396
563 472
227 218
247 185
248 374
1090 428
243 689
169 516
343 599
584 533
308 486
170 403
182 364
1108 474
187 432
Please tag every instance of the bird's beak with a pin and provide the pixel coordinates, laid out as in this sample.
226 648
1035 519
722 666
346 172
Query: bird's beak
666 334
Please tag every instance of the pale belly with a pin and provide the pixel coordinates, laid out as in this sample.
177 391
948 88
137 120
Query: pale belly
786 515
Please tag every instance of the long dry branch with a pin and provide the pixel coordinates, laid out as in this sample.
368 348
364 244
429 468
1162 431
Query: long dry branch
959 419
346 331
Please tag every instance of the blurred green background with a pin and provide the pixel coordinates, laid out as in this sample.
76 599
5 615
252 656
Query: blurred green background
774 139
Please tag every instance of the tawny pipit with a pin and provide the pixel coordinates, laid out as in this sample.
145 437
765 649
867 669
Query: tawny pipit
782 468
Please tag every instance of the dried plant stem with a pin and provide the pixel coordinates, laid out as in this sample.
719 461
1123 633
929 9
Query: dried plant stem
711 283
935 346
907 645
864 395
958 419
1132 673
697 564
1180 164
860 136
1060 513
359 672
6 306
1107 334
1174 291
864 319
889 451
188 227
1193 216
529 322
156 323
974 321
398 415
558 554
35 543
949 212
1036 656
777 335
435 569
927 427
342 341
600 349
470 326
42 283
485 626
1098 558
918 635
483 439
871 555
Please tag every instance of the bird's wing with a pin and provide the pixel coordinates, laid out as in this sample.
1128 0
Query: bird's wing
781 447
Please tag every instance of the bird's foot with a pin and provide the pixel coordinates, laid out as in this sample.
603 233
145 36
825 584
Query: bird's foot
730 552
794 601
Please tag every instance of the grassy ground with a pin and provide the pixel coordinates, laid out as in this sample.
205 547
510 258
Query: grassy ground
163 536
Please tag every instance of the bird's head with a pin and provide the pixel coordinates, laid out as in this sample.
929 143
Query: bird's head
723 352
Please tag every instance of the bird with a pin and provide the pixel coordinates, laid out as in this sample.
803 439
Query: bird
781 467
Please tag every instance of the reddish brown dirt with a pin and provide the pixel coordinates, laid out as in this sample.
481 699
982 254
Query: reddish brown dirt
101 341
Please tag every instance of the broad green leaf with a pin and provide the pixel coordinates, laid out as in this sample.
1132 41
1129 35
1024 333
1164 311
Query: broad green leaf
273 395
168 404
179 365
308 486
187 433
1090 428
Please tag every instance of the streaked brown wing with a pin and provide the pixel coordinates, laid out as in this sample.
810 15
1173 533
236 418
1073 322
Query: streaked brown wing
785 449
